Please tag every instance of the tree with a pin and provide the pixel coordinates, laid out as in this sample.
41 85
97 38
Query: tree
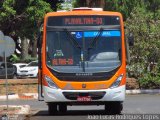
123 6
35 11
54 3
90 3
145 53
22 19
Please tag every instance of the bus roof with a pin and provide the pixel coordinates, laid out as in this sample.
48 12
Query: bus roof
83 12
87 8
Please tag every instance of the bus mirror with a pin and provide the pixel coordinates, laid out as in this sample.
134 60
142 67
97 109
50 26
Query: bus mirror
131 39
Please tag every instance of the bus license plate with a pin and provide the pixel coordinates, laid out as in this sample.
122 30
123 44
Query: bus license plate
84 98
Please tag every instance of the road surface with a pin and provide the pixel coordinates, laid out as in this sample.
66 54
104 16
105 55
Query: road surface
134 104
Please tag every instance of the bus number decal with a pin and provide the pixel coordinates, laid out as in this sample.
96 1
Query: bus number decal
62 61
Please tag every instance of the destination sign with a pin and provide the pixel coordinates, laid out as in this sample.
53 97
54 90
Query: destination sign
92 20
84 21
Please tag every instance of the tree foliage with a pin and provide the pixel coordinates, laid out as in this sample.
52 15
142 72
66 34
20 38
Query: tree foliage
21 19
145 54
123 6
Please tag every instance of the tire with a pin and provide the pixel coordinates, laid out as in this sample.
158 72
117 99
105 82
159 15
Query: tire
114 107
62 108
52 108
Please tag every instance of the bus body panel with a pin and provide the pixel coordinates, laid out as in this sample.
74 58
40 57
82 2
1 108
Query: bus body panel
89 85
55 95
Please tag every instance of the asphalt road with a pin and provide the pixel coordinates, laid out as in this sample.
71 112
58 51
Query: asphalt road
134 104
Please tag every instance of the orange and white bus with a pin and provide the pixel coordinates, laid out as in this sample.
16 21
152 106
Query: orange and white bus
82 60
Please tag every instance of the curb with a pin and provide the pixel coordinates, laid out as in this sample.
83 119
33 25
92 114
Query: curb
24 109
28 96
24 96
20 114
10 97
147 91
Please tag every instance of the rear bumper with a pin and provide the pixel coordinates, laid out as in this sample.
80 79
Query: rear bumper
56 95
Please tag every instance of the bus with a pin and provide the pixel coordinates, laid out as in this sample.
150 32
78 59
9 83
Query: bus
82 60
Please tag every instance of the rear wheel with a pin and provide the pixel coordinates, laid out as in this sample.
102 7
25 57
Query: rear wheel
114 107
62 108
52 108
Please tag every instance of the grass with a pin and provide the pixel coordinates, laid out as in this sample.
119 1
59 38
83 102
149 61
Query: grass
19 86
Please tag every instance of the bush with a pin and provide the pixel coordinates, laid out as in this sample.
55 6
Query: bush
29 59
15 59
150 81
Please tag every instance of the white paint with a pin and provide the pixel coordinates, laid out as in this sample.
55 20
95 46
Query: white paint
56 95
